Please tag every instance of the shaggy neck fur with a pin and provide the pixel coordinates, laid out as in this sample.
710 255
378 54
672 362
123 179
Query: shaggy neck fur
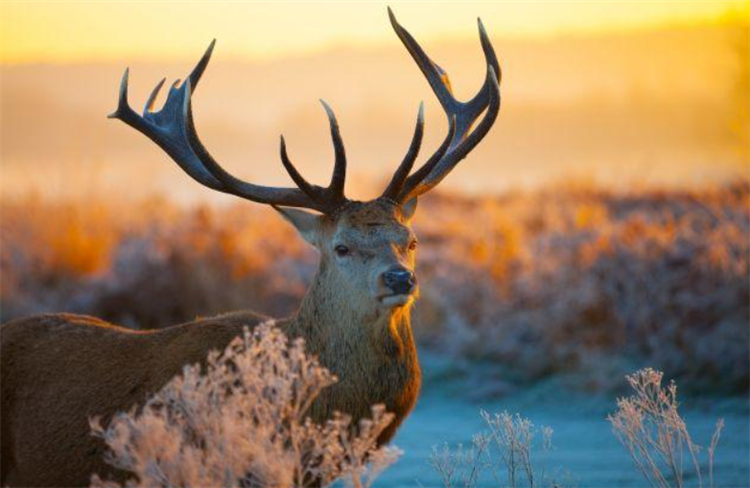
372 354
328 318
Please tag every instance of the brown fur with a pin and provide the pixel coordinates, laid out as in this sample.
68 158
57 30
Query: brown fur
58 370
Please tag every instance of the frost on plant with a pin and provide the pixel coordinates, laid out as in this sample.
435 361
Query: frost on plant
507 447
242 421
649 425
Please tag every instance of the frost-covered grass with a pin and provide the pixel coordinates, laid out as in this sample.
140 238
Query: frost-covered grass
505 450
649 425
569 279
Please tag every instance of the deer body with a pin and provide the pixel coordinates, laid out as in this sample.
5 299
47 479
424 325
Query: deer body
58 370
101 369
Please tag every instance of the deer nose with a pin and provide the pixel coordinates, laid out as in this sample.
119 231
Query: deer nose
399 280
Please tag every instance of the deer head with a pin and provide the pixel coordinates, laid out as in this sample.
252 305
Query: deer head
367 248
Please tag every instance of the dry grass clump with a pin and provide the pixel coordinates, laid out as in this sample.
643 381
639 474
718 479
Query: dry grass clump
242 421
507 447
649 425
569 279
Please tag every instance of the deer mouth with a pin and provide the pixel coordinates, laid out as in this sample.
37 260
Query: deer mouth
396 300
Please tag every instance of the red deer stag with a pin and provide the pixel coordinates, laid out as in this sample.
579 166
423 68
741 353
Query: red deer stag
58 370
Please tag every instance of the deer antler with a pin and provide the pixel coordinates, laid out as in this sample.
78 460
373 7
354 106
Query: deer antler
461 117
172 129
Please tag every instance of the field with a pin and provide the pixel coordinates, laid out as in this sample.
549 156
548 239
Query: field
567 280
526 298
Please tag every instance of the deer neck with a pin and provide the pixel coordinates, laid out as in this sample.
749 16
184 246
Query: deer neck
372 354
330 322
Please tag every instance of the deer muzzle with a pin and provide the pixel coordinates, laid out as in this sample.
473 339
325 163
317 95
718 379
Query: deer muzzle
400 281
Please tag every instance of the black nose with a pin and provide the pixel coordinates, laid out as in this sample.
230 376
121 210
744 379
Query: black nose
399 280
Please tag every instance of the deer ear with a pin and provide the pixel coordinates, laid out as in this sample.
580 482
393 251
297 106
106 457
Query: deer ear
409 209
307 224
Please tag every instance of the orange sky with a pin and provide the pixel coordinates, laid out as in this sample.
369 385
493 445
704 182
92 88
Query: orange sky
79 31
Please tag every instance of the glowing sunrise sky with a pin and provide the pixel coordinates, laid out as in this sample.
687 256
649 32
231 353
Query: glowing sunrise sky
80 31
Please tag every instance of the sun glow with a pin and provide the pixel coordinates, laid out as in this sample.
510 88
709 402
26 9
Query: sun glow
80 31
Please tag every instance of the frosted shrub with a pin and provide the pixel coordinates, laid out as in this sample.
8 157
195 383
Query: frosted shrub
242 421
508 446
513 436
581 282
649 425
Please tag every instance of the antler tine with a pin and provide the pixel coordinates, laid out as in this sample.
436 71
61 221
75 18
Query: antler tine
331 198
298 179
435 75
336 187
477 104
123 109
152 98
399 177
197 73
172 128
450 154
261 194
413 181
461 115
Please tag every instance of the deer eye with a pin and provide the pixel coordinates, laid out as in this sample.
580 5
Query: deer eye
413 245
342 250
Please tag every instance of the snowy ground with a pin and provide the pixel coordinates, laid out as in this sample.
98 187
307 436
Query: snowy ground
585 454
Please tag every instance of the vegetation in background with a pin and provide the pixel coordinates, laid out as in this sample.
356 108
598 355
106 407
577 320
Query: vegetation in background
571 280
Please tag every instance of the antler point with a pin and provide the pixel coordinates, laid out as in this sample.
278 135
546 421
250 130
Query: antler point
392 18
210 48
122 98
329 112
152 98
